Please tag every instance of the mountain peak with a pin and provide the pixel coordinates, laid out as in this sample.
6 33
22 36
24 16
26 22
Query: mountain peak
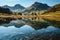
5 6
39 6
37 3
17 5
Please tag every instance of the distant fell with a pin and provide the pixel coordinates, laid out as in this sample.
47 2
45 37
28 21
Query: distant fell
37 6
54 10
17 6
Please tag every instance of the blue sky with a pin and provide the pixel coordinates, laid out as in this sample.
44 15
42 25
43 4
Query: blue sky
27 3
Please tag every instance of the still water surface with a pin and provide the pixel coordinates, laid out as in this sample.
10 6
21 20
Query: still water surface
26 32
30 30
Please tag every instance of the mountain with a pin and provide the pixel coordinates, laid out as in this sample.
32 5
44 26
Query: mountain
37 6
33 7
55 8
17 6
4 10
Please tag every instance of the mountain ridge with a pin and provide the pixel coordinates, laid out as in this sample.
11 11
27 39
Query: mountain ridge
37 6
17 6
33 7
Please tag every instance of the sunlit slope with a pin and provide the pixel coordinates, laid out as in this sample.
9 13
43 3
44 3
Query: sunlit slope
52 16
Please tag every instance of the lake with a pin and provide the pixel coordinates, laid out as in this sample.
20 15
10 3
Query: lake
26 32
34 29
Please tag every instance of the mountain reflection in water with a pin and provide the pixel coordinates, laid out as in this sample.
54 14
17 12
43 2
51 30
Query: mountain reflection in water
30 29
26 32
36 22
